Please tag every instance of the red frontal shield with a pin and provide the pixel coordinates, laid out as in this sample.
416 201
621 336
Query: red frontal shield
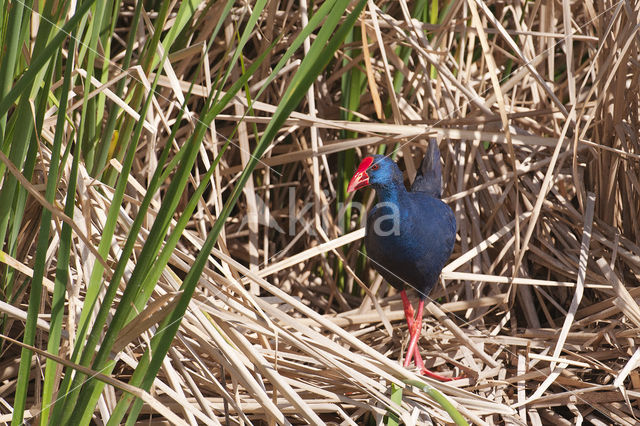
360 178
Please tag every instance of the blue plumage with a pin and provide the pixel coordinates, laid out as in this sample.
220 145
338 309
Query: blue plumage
409 234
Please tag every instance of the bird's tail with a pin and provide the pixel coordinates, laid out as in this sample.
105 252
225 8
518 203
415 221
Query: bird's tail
429 176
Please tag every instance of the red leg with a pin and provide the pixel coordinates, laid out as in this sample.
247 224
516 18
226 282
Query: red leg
409 315
408 309
415 334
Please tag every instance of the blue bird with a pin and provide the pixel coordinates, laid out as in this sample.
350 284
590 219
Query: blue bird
409 234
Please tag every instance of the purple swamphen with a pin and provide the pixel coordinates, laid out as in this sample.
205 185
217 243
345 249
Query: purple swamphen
409 234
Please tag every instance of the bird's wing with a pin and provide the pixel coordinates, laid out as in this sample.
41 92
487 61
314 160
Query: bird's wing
429 176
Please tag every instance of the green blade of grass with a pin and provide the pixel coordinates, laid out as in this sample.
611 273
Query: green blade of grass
148 55
39 61
13 197
108 133
35 291
64 251
246 33
185 13
9 58
87 125
396 398
440 399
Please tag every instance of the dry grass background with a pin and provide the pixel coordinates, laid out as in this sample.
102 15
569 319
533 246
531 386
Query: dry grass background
538 306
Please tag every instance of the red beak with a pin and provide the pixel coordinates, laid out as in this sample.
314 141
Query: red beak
360 178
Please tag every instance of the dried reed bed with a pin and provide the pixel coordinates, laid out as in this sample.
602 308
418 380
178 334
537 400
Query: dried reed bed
538 306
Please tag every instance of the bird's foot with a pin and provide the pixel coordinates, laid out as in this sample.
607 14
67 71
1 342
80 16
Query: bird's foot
436 376
414 323
426 372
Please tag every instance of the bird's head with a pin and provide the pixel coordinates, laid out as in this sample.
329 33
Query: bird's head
377 171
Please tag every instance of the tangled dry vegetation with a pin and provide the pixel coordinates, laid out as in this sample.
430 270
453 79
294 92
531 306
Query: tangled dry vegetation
538 305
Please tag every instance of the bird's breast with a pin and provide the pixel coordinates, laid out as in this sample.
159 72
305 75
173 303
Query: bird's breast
410 240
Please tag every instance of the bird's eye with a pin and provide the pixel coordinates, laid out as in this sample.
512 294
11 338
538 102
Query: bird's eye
375 167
